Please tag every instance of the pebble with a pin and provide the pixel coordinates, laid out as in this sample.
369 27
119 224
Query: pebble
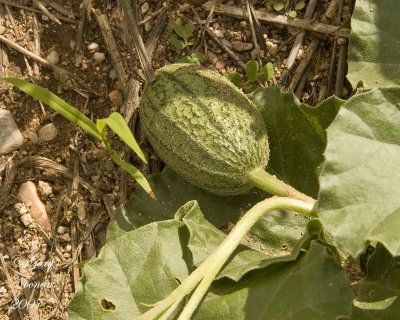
81 210
65 237
116 98
33 137
112 74
272 48
145 7
26 219
242 46
2 29
61 229
341 41
99 57
93 46
28 194
10 136
48 132
72 44
212 56
220 64
218 33
44 188
147 26
53 57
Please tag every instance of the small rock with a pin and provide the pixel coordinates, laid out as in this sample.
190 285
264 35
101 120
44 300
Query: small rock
218 33
10 136
272 48
145 7
341 41
53 57
93 46
112 74
81 210
2 29
44 188
65 237
26 219
147 26
184 7
212 56
33 137
48 132
116 98
28 194
99 57
242 46
220 64
72 44
45 18
61 229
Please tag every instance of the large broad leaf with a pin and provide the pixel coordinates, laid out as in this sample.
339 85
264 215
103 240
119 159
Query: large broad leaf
313 288
276 234
141 267
205 238
378 296
360 179
297 136
374 49
171 193
138 268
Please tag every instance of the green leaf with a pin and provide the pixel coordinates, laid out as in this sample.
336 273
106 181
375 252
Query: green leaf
315 287
278 6
235 78
137 269
134 173
184 59
184 31
176 42
297 136
199 56
360 178
171 193
378 296
282 229
57 104
252 68
267 72
292 14
374 47
299 5
118 124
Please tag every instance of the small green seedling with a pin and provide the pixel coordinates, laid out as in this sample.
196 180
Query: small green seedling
180 39
97 130
280 5
254 74
195 57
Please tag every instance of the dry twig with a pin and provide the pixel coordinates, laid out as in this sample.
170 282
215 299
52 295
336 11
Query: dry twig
282 20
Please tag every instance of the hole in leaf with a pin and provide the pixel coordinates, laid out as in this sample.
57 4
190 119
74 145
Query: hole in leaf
107 305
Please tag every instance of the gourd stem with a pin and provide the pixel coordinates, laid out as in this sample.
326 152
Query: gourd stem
206 273
218 258
269 183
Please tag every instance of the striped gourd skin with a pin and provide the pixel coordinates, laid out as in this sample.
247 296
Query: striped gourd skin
204 128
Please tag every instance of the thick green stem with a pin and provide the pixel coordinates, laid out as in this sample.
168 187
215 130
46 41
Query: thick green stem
210 268
269 183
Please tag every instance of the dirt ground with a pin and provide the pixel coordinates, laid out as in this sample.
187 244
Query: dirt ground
74 178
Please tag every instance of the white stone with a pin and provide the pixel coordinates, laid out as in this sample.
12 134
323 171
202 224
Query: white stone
65 237
61 229
99 57
53 57
45 188
10 136
26 219
48 132
145 7
93 46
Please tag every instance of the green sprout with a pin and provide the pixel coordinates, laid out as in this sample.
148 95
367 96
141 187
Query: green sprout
254 75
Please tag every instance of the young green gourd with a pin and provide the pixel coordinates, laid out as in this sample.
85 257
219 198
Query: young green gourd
205 129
